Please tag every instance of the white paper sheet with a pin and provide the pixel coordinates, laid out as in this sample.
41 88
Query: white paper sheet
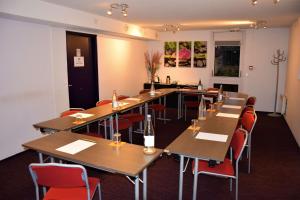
75 147
230 115
133 99
81 115
156 92
231 106
212 137
237 98
120 104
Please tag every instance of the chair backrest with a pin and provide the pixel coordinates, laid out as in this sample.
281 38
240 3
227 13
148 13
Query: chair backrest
121 97
103 102
247 108
238 142
248 121
251 101
70 111
58 175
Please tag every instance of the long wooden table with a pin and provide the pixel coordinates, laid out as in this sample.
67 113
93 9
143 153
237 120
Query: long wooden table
126 159
186 145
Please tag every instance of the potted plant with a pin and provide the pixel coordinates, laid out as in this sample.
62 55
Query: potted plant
152 62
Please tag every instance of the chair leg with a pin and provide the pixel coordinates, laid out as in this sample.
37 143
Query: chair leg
154 118
130 134
230 184
99 191
186 164
184 112
236 188
249 154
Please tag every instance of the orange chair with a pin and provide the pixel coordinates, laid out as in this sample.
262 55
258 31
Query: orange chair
64 181
72 111
123 123
155 107
248 122
226 169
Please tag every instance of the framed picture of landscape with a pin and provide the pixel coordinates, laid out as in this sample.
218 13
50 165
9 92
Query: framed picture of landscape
200 54
184 54
170 54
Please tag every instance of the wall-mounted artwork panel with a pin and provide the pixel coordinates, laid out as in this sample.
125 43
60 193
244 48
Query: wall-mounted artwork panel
200 54
170 54
184 55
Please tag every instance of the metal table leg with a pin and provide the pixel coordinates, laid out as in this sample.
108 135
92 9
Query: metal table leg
145 184
181 177
195 179
136 188
111 126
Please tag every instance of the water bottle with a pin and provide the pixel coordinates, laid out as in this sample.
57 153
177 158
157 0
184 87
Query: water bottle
114 101
202 109
152 89
220 94
200 86
149 137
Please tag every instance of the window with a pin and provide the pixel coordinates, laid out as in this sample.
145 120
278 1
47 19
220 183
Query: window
227 58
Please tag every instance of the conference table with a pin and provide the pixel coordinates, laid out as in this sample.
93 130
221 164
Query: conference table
192 144
186 145
103 112
126 159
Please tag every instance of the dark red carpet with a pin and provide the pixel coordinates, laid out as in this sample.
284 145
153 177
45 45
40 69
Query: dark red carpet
275 169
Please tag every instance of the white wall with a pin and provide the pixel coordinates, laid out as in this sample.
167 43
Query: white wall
260 46
121 65
26 82
293 82
33 76
257 48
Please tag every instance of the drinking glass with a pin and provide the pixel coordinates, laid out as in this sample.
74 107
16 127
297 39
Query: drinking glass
117 138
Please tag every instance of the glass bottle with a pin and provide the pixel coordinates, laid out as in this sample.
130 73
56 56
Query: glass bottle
152 89
220 93
149 137
202 110
114 101
200 86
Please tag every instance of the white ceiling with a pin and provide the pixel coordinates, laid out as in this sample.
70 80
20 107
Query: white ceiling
194 14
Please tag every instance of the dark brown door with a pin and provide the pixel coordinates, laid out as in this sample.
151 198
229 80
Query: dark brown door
82 70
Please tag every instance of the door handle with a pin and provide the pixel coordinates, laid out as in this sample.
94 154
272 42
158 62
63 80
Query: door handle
70 85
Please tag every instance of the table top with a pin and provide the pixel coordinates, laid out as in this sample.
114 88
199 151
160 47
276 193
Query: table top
127 159
100 112
186 144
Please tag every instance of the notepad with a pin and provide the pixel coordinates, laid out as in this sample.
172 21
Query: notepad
75 147
81 115
122 103
133 99
237 98
211 137
231 106
229 115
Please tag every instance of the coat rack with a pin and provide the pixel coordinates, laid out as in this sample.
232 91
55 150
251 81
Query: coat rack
277 59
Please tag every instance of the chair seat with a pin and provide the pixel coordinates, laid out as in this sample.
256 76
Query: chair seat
122 124
224 168
157 107
134 117
77 193
191 104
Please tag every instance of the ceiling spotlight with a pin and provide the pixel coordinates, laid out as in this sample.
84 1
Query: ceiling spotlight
254 2
171 27
121 6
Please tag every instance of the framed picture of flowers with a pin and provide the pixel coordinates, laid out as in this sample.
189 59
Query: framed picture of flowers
170 54
184 54
200 54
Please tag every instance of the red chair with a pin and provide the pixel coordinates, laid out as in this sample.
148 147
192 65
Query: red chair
251 101
64 181
72 111
123 123
155 107
226 169
190 101
248 122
